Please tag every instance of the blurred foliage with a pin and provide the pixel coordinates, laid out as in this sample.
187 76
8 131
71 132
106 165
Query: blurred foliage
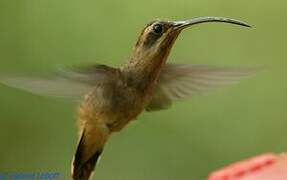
185 142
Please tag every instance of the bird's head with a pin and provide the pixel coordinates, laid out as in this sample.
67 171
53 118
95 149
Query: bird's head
158 36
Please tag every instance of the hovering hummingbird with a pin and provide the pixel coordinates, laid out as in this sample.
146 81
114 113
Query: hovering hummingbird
112 97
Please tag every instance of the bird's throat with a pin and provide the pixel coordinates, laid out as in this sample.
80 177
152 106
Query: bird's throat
144 66
142 70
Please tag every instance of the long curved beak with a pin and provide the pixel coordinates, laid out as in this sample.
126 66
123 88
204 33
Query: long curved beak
179 25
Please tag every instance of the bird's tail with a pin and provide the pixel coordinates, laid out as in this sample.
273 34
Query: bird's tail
88 152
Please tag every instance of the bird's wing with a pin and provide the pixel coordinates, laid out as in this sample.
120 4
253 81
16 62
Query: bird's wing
180 81
68 83
159 101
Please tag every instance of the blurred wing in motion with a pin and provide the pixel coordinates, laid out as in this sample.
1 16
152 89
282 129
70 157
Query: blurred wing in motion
159 101
57 87
89 74
180 81
69 83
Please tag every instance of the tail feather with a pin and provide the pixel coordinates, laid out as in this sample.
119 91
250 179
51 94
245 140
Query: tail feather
89 149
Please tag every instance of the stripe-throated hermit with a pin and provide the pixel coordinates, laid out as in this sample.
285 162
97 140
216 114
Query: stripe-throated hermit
112 97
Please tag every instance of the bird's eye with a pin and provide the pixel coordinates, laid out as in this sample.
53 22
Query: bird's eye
157 28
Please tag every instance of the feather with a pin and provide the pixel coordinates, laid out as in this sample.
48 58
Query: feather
70 83
180 81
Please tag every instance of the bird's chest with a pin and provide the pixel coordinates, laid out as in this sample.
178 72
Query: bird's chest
116 103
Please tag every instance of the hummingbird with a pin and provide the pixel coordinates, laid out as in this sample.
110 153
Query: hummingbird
112 97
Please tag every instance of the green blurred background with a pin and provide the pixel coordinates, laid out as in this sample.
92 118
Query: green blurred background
185 142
